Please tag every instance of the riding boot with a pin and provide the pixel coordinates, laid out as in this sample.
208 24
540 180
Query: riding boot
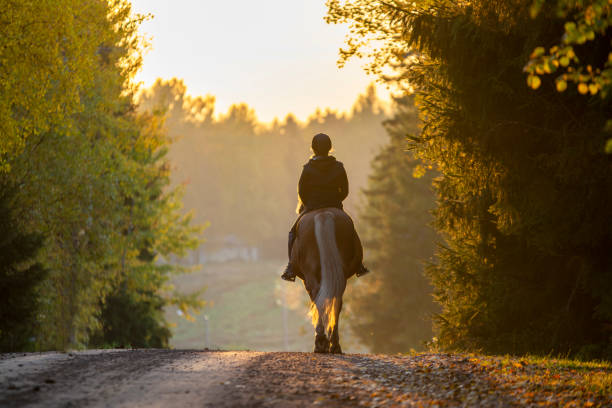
362 271
288 274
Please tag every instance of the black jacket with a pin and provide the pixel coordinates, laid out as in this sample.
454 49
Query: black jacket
323 183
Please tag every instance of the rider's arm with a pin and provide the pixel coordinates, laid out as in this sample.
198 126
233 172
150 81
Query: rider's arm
304 190
344 188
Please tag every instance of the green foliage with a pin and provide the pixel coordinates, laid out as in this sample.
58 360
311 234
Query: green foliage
391 309
572 57
524 191
582 55
20 277
49 50
132 318
93 179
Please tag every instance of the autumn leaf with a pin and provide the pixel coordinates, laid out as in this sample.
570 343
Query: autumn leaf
533 81
561 85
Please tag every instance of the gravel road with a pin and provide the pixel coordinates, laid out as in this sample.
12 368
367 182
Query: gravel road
171 378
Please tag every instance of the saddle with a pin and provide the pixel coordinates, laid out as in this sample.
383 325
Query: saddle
357 263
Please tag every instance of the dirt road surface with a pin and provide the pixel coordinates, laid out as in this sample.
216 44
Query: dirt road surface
173 378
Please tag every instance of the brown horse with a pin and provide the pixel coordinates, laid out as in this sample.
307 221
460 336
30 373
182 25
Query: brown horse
326 252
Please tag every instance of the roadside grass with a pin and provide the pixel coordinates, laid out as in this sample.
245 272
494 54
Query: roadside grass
550 381
594 377
244 309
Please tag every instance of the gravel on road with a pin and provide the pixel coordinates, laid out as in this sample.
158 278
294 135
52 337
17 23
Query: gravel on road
173 378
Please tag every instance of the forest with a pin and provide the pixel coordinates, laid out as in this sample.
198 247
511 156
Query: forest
514 99
241 175
482 196
85 202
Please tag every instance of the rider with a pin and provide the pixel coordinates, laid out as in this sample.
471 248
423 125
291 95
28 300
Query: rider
323 183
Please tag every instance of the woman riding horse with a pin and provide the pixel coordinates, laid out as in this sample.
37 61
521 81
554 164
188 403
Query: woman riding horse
324 249
323 184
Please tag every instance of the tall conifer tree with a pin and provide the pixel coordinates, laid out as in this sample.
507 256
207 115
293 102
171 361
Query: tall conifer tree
525 192
391 309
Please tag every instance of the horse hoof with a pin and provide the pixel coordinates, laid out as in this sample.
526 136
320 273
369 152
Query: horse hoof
321 348
321 344
335 349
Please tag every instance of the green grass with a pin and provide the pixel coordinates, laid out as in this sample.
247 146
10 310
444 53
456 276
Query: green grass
594 377
577 383
245 309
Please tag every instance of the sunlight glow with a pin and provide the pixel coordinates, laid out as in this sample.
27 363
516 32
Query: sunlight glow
278 56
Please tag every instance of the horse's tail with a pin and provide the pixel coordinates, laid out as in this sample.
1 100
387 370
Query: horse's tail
328 300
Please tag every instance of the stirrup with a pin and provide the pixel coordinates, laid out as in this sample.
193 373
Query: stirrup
362 271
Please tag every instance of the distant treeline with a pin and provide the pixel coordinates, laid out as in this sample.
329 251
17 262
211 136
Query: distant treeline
524 195
241 175
85 203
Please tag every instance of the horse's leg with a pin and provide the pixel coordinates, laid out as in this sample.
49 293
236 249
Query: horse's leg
312 287
321 341
334 346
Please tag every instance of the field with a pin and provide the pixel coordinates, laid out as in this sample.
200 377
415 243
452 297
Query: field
249 308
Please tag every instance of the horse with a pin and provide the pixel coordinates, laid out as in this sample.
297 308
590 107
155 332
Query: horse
326 252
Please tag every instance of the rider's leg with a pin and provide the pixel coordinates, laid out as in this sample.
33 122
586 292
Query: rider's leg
362 269
289 274
290 240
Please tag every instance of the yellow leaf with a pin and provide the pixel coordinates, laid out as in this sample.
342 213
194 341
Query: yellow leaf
593 89
539 51
561 86
608 148
419 171
533 81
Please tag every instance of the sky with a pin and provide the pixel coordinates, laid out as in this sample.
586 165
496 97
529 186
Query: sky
278 56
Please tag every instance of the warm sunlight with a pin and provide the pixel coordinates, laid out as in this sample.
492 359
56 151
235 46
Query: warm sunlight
182 181
278 56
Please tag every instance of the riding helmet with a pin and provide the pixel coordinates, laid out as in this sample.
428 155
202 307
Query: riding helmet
321 144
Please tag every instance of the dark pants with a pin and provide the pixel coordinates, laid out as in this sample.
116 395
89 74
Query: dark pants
292 232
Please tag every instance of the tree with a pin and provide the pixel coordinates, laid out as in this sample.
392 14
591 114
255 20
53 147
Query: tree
49 51
131 318
93 181
131 314
390 311
20 278
525 183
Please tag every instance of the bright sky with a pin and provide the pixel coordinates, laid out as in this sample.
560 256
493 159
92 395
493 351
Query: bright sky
278 56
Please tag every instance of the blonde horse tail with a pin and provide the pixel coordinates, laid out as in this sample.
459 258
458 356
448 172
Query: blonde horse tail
328 300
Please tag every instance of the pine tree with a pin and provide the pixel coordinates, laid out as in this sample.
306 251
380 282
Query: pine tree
390 310
524 191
